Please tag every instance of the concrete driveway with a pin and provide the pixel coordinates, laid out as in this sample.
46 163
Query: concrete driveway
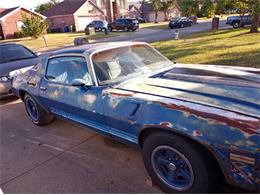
152 34
66 158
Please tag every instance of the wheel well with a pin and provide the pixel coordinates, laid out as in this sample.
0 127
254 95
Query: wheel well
235 21
203 149
22 94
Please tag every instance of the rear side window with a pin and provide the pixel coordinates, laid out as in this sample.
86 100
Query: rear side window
66 69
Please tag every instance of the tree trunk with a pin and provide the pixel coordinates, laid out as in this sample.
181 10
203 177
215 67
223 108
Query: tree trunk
255 21
165 15
156 16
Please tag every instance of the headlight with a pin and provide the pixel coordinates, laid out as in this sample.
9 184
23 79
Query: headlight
4 79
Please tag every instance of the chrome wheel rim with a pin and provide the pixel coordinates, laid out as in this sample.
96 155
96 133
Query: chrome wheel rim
172 167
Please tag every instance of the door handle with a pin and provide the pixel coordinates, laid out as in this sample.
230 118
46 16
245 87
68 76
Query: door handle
43 88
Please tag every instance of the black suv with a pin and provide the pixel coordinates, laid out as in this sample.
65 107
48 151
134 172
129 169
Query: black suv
180 22
236 22
125 24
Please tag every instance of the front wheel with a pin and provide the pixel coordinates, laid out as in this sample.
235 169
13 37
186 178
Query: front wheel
36 113
236 25
175 165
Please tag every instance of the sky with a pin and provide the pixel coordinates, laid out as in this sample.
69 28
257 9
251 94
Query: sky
31 4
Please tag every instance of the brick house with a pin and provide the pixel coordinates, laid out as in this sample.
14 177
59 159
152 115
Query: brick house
11 20
79 13
149 15
134 11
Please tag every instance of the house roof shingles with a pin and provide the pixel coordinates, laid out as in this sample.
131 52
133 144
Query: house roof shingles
146 7
64 8
4 11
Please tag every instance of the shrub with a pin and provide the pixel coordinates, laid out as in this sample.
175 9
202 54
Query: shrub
19 34
33 26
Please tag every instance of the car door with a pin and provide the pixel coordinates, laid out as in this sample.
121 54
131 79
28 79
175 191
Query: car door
62 95
248 20
119 24
54 86
120 109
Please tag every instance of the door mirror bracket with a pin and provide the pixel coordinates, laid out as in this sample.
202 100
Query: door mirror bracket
81 83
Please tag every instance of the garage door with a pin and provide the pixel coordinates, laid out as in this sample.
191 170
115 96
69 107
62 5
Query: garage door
83 22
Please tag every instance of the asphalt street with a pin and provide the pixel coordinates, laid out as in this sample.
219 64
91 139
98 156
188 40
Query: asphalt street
152 34
66 158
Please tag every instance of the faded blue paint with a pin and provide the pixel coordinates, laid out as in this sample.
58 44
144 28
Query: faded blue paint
222 116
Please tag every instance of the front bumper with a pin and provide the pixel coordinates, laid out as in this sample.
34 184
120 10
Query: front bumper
175 25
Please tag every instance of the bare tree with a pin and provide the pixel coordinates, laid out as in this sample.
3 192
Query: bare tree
157 5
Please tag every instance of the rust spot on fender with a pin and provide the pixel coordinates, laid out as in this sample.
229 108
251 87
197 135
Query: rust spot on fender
116 92
248 127
165 124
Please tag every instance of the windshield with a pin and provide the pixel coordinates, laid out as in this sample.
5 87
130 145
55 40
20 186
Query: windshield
175 19
9 53
120 64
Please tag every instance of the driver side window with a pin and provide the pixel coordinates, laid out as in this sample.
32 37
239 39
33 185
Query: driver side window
66 69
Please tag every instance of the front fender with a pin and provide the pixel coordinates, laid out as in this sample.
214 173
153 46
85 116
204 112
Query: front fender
232 139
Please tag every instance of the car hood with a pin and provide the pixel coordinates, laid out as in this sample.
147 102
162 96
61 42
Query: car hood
230 88
6 68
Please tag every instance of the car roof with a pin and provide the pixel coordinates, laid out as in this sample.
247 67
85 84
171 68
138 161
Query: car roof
8 43
93 47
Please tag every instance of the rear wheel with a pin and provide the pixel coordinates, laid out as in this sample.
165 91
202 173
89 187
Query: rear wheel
110 28
182 25
126 28
235 24
36 113
175 165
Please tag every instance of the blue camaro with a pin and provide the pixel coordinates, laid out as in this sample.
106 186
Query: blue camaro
196 125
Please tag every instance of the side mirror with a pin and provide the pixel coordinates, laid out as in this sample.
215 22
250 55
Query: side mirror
81 83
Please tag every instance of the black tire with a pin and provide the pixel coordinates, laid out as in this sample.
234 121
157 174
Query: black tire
126 28
235 24
201 180
134 29
110 28
182 26
42 117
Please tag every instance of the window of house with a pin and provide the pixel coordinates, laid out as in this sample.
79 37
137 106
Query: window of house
20 24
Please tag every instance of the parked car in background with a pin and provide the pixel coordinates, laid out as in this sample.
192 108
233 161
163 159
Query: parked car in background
12 57
196 125
99 25
125 24
180 22
237 21
141 20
